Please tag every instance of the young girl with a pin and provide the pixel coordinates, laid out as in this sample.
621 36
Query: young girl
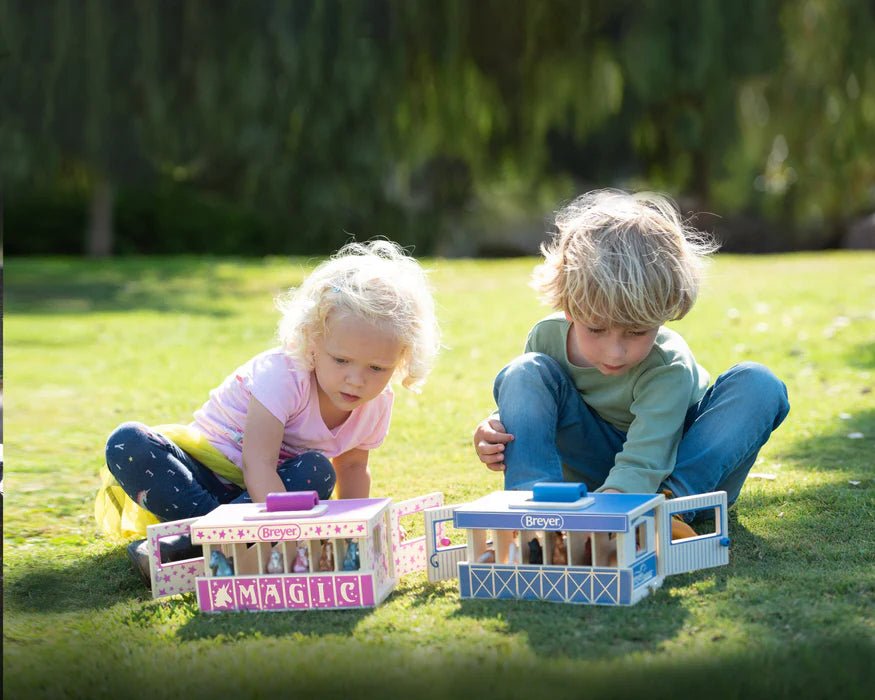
302 415
605 393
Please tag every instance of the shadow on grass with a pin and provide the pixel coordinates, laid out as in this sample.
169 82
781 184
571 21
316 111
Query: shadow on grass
807 577
90 583
164 284
285 624
99 582
836 450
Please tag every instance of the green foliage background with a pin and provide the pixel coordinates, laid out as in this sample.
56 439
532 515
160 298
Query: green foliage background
273 127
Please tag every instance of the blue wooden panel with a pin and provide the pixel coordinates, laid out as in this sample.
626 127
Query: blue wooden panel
529 584
606 588
482 582
464 581
644 569
553 586
558 585
505 583
579 587
625 597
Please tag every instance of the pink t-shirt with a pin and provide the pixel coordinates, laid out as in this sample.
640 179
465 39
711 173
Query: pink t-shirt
289 393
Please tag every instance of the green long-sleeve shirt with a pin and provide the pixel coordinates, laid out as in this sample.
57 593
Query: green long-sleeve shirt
649 402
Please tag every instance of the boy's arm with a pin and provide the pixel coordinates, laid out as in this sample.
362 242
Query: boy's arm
661 398
353 475
262 438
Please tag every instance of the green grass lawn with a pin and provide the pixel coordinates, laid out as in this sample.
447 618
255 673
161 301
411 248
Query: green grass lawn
90 344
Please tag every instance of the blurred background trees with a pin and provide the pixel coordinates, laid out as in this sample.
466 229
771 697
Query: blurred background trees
457 126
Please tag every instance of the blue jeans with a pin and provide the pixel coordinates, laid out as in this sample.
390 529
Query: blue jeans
173 485
552 426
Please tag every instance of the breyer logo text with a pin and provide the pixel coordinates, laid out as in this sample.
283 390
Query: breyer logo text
274 533
542 522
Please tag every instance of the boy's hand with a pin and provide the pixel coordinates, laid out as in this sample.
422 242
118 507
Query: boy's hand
489 441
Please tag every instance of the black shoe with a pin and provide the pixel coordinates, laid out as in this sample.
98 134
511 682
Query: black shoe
175 548
179 547
138 553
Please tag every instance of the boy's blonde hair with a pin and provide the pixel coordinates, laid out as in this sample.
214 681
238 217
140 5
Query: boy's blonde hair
376 282
623 260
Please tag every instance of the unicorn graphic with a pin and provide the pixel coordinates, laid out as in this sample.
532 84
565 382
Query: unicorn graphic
222 597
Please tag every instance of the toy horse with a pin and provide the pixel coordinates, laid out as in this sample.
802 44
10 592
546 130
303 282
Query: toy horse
326 560
275 564
536 554
513 551
302 561
560 553
488 557
220 564
351 560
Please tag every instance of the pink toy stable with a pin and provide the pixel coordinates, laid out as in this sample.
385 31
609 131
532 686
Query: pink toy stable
268 544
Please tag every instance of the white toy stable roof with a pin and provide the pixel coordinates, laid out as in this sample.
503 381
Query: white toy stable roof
250 522
516 510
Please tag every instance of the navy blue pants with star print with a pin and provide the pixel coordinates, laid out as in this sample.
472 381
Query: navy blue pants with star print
171 484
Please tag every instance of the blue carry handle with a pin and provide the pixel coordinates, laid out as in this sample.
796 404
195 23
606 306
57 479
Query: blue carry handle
558 492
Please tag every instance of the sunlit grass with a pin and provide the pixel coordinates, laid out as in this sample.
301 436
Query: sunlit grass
88 345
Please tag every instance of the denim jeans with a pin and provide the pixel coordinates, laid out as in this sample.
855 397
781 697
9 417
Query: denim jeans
553 427
171 484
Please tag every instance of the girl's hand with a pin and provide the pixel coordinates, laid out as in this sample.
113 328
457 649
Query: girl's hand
490 437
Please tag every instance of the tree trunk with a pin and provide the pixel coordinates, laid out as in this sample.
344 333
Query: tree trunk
100 233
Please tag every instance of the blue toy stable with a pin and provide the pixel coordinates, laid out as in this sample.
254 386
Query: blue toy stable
559 544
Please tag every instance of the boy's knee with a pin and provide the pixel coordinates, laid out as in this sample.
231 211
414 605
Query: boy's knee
526 368
765 385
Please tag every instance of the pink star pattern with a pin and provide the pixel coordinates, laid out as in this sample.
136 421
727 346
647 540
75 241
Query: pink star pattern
179 575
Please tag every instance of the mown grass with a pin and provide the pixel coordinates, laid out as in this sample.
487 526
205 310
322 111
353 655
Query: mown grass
90 344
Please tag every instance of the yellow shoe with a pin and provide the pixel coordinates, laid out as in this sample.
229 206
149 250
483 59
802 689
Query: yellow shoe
680 530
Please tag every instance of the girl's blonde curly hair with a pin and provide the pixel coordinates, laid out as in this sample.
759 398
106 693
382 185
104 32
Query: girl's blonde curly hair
376 282
622 259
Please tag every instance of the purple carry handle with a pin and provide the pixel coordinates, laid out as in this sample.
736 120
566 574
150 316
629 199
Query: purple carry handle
291 500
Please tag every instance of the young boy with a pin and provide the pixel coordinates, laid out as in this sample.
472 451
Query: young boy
604 389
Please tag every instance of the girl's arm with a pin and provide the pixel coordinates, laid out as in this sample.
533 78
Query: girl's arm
262 437
353 475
